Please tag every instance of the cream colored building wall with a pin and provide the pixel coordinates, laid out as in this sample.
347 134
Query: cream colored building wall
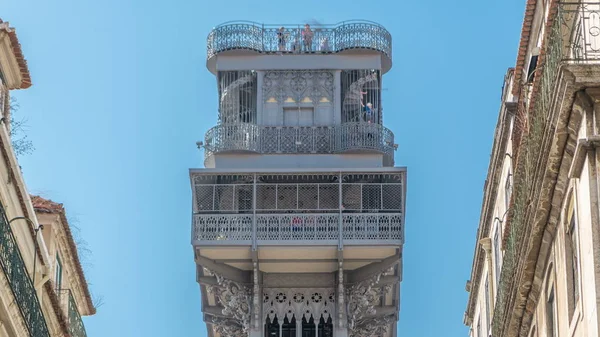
11 319
581 320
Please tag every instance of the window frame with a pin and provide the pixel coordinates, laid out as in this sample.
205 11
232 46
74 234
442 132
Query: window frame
58 273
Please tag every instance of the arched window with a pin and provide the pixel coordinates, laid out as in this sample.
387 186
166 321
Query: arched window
288 329
308 327
325 327
272 327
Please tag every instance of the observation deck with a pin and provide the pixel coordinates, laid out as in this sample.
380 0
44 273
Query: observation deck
299 208
347 37
354 137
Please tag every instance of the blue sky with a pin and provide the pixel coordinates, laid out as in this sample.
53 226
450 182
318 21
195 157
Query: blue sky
121 95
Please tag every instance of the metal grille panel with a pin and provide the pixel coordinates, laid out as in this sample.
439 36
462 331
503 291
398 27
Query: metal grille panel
268 139
299 207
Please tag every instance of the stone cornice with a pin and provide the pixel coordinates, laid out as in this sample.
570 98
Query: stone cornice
583 146
502 135
12 62
69 250
16 179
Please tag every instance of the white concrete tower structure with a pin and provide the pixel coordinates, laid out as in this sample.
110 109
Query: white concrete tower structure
298 217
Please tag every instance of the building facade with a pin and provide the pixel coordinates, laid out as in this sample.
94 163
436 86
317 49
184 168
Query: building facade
43 291
298 215
536 269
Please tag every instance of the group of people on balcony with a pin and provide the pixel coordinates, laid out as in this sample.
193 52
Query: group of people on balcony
307 35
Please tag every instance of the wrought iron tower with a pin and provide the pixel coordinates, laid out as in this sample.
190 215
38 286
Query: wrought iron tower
298 217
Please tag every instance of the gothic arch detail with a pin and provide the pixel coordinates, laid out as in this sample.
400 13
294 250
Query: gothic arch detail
298 303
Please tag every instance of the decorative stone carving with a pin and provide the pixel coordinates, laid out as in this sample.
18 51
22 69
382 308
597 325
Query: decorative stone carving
299 303
235 299
362 298
228 327
372 327
256 297
298 84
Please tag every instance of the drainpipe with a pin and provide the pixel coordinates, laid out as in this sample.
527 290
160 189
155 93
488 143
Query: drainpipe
486 244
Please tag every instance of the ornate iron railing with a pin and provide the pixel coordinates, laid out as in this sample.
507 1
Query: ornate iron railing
268 207
574 38
285 227
325 38
578 31
310 139
69 307
19 281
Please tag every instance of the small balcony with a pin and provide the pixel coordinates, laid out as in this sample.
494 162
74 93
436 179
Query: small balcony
576 32
347 137
293 39
298 228
69 307
20 283
289 209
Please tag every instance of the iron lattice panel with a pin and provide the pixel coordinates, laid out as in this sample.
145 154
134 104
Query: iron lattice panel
299 207
293 140
284 227
224 227
372 227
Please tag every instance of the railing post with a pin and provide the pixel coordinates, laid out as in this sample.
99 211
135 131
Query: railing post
254 244
341 217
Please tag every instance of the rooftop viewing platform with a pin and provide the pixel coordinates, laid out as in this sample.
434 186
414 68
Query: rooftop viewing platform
358 36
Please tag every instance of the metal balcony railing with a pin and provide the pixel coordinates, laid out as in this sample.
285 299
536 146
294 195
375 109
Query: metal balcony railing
293 140
21 285
356 34
576 33
364 208
69 307
287 227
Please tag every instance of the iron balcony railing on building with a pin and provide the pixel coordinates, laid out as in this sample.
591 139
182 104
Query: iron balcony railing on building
69 307
301 139
355 34
365 208
576 33
21 285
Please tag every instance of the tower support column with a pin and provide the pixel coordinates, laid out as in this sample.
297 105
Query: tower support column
337 98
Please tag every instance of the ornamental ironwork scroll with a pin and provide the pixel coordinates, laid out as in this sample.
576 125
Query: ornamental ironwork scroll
236 300
19 281
363 297
300 139
292 38
298 85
